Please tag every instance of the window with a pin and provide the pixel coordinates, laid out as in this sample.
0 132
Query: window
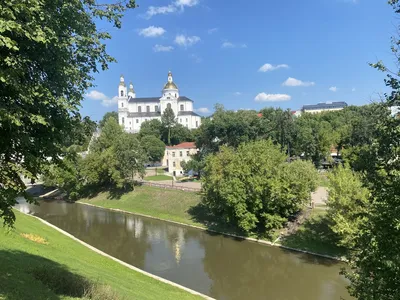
137 121
139 109
148 108
181 106
129 122
123 120
186 120
156 108
122 93
197 124
174 164
176 95
180 153
173 153
122 104
180 120
187 153
169 105
168 97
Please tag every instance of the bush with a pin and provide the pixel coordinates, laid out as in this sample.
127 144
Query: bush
254 188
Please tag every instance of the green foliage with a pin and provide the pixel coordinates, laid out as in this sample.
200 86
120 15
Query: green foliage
347 205
254 188
154 147
110 114
168 121
152 127
50 50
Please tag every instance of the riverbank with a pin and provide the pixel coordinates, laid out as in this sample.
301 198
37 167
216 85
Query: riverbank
185 208
35 259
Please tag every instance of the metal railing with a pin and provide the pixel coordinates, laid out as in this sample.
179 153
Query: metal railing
170 186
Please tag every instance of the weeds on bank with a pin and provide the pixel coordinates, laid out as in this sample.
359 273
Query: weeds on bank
35 238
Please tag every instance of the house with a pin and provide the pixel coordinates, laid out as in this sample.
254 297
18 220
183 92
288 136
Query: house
323 106
133 111
175 155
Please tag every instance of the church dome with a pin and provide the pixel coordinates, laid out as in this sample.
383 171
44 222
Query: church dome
170 86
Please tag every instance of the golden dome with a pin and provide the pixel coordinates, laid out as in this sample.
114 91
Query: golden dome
170 86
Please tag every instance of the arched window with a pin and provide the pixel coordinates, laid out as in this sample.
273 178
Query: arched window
169 105
182 107
123 120
139 109
122 104
175 95
122 93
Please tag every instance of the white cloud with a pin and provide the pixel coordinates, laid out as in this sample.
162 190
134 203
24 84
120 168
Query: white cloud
160 10
186 41
196 58
263 97
333 89
296 82
353 89
227 44
99 96
212 30
237 93
188 3
152 31
269 67
202 110
171 8
161 48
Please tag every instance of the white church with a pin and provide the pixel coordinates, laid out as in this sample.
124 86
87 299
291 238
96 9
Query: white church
132 111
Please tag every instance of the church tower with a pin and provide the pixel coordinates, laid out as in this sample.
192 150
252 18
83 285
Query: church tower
170 95
122 102
131 93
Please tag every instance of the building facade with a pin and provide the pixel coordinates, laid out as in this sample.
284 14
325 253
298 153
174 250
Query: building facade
175 155
324 106
133 111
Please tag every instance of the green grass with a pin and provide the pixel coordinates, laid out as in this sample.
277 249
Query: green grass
56 269
315 235
158 178
323 180
160 171
161 203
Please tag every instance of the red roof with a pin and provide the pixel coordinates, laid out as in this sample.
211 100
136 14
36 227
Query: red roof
184 145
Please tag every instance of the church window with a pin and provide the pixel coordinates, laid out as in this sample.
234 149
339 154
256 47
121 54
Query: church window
156 108
186 120
170 94
122 93
180 120
137 121
181 106
123 120
148 108
122 104
129 122
169 105
168 97
139 109
197 124
176 95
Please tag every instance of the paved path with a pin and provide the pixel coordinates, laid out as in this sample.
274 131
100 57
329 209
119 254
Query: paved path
320 196
193 185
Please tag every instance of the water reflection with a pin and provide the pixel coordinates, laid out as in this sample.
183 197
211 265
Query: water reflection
219 266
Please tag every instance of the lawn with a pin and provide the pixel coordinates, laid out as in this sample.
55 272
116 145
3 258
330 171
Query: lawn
315 235
174 205
158 178
38 262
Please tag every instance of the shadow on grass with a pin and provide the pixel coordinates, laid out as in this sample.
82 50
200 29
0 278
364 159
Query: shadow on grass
27 276
114 193
315 235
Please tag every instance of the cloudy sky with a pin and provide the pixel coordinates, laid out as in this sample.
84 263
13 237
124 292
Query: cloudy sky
249 54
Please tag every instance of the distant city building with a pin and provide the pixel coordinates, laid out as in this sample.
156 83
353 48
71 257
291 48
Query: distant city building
395 111
175 155
132 111
324 106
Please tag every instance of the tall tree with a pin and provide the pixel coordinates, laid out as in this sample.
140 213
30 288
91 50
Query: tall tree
168 121
154 147
50 50
153 127
110 114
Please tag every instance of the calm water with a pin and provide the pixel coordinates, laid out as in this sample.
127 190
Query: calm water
219 266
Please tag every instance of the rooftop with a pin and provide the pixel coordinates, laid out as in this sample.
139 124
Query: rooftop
155 99
184 145
325 105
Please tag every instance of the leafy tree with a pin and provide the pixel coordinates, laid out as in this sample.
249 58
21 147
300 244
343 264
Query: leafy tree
110 114
50 50
195 165
180 133
254 188
168 121
152 127
154 147
347 205
375 272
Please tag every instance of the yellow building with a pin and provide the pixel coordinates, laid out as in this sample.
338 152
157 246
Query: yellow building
175 155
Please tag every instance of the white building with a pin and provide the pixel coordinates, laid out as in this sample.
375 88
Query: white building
174 155
324 106
132 111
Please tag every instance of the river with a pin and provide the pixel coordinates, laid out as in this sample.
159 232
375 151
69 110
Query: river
219 266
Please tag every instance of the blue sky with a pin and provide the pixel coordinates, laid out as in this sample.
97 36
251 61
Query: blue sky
249 56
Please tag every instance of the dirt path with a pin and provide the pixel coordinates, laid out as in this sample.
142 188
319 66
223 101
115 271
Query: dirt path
320 196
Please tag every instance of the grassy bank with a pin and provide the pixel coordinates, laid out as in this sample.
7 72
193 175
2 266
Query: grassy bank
184 207
38 262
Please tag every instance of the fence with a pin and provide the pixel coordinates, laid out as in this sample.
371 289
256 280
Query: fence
175 186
